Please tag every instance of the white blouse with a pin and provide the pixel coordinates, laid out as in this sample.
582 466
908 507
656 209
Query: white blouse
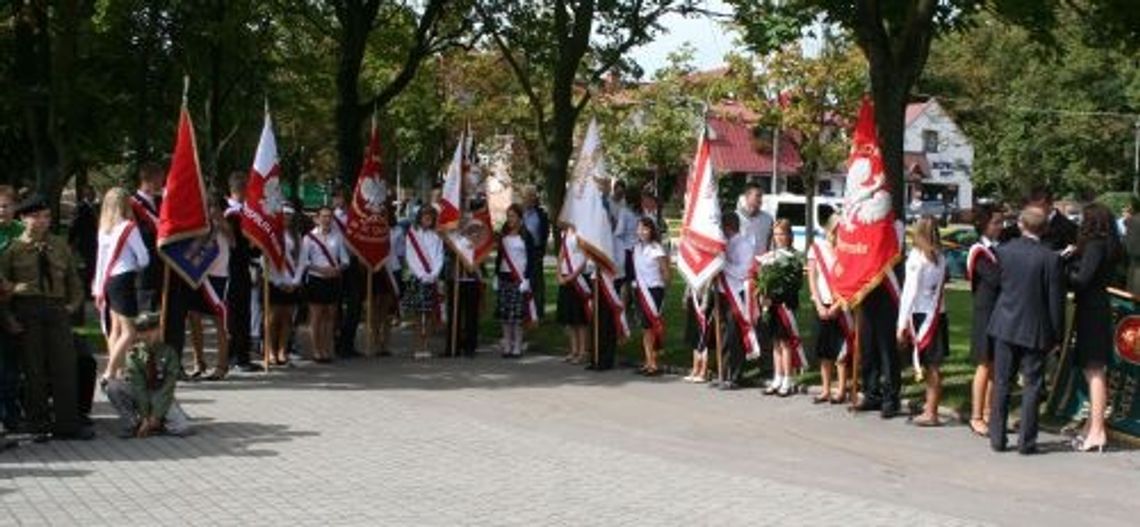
922 287
646 265
572 252
313 255
397 249
132 257
285 277
738 258
515 248
431 246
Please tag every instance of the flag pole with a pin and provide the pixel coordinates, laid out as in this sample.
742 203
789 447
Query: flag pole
265 314
856 358
368 311
165 296
719 339
597 315
455 307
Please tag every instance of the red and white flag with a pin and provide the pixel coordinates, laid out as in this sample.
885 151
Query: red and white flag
366 230
465 216
867 243
183 227
702 245
263 217
584 210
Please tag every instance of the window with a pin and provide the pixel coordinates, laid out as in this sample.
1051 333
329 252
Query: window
929 141
793 212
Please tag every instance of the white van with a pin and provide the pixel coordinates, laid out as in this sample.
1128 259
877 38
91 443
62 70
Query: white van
793 207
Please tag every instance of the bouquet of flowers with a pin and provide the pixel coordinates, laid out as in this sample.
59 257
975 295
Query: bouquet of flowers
781 275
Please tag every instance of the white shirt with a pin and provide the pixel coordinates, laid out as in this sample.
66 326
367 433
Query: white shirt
133 256
221 265
822 288
284 277
758 227
922 287
515 249
432 247
313 256
625 230
646 264
738 261
398 246
340 217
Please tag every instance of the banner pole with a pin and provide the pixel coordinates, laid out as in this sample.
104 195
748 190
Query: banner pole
455 308
265 314
165 297
597 314
856 358
368 312
719 339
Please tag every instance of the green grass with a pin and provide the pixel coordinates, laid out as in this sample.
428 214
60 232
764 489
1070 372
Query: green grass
958 369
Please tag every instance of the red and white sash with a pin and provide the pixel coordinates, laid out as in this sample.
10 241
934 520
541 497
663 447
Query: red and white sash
978 250
788 319
101 296
699 303
216 300
741 317
531 312
145 212
333 262
924 335
651 311
579 284
426 267
613 300
825 263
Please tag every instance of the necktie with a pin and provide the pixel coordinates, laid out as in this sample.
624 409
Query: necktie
44 265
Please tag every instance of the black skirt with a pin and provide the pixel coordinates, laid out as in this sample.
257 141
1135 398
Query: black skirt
198 301
382 285
829 339
122 294
772 327
571 307
282 297
1093 325
420 297
658 296
322 291
939 348
696 337
511 305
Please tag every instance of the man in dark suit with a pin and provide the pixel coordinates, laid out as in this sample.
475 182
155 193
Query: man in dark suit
537 223
1026 324
1060 231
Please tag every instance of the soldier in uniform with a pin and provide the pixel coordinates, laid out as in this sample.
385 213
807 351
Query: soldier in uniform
10 229
145 398
39 271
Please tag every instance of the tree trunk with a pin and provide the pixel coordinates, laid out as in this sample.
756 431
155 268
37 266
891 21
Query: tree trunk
32 71
349 145
890 113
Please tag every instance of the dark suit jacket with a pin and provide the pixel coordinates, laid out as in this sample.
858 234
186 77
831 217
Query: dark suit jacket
1030 307
1060 233
986 286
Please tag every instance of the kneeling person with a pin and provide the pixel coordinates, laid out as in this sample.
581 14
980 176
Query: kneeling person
145 398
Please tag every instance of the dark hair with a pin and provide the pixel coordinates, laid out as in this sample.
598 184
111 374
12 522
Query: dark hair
518 210
238 180
730 220
1098 223
982 216
149 170
1039 193
648 223
425 209
753 185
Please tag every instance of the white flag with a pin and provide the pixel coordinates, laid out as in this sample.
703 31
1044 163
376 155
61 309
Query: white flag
701 250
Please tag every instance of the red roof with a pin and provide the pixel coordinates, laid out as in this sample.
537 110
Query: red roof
734 149
915 109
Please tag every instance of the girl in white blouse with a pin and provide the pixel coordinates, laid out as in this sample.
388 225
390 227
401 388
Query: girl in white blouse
283 291
121 256
651 273
922 314
515 304
423 253
323 258
210 300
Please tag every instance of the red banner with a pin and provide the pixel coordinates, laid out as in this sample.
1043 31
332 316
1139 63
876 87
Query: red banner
867 243
183 224
263 217
367 231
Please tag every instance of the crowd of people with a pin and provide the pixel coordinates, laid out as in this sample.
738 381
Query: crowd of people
1018 273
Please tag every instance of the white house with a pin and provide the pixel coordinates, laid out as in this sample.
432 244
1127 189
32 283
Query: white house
938 157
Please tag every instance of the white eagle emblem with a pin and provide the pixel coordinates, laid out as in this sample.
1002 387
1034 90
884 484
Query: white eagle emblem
375 193
868 200
272 199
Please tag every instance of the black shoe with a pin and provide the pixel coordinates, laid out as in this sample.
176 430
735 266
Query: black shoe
890 410
41 437
729 386
86 421
591 367
83 434
998 448
249 367
869 405
713 384
1028 451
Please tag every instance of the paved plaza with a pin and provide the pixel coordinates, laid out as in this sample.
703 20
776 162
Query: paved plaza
537 442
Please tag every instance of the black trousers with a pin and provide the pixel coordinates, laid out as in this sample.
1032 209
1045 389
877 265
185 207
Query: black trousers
881 369
607 336
1008 359
177 305
353 286
49 362
538 284
732 343
238 297
86 370
470 298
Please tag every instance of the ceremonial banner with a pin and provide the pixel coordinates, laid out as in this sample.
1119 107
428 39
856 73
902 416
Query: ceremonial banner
1069 397
585 210
366 230
183 224
867 244
263 217
465 218
702 245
